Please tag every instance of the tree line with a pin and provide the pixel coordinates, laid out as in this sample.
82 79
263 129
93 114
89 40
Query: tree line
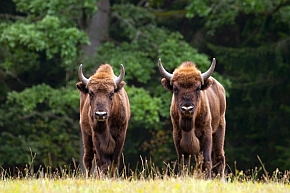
43 43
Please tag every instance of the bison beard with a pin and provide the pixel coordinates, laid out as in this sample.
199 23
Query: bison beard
106 141
189 142
186 124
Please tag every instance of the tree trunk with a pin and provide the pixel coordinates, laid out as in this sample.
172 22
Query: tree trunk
98 27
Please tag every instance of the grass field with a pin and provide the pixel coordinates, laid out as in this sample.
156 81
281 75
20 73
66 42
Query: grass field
143 182
168 185
145 179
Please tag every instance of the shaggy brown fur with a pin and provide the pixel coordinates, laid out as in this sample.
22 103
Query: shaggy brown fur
105 138
202 131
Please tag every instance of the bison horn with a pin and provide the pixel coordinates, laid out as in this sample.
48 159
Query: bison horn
209 72
119 79
81 76
163 72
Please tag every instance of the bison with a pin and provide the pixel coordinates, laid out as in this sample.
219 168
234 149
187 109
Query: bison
197 114
104 117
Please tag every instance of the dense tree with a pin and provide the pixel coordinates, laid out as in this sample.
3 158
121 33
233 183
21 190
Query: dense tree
42 44
41 49
251 41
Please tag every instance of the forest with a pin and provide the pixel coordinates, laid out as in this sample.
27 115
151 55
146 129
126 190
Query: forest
42 44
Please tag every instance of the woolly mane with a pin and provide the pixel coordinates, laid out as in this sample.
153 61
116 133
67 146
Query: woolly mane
105 71
186 74
104 75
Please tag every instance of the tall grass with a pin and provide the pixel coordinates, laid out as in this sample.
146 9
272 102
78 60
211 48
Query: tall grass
168 185
143 180
146 170
145 177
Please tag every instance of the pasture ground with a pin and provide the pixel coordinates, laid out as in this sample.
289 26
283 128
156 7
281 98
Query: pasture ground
145 179
168 185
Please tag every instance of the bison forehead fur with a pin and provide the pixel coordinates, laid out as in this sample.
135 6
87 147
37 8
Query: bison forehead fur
186 75
103 72
104 117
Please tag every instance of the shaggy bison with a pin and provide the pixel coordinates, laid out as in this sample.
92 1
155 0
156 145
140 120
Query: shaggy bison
104 117
198 114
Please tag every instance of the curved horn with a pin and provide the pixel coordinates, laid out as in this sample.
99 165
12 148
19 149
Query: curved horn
163 72
209 72
81 75
119 79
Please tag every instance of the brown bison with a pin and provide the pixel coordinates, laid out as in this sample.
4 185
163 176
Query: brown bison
104 117
198 115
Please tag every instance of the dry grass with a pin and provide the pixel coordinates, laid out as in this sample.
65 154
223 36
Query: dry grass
167 185
147 178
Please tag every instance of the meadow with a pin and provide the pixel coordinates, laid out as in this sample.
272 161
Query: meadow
145 179
187 184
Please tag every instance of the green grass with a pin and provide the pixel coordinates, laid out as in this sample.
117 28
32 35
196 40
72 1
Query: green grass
144 179
187 184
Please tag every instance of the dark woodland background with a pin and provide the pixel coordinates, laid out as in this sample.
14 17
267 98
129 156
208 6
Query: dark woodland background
42 44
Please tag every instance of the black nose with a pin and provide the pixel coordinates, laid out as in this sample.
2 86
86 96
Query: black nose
187 109
101 115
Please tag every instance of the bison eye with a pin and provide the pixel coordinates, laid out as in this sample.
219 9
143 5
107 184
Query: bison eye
111 95
198 89
174 89
91 94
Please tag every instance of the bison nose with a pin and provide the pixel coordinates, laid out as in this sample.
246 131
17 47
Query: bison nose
100 115
187 109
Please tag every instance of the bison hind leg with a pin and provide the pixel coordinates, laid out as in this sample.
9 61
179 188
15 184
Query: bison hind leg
218 154
221 161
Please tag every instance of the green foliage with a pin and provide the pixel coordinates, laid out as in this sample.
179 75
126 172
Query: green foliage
46 42
68 12
55 99
40 121
46 35
215 16
136 62
257 61
144 107
41 51
132 18
198 7
250 40
262 90
39 48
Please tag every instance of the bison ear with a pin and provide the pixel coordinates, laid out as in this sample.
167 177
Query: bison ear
207 83
82 87
120 86
166 84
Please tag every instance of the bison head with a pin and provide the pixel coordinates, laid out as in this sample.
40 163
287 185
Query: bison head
186 82
101 88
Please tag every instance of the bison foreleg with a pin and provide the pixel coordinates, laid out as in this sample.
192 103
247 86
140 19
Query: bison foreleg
88 152
206 148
